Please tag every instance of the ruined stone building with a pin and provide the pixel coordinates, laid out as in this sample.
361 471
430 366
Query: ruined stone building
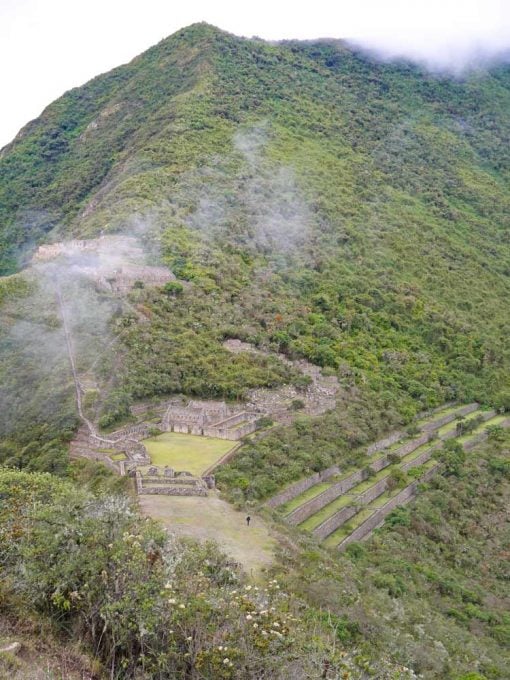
210 419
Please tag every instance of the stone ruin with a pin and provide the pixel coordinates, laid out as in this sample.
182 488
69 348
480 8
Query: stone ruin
210 419
111 262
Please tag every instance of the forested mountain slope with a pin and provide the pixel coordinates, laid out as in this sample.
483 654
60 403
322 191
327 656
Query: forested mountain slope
318 204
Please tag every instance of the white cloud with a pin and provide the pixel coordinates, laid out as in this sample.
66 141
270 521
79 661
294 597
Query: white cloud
49 46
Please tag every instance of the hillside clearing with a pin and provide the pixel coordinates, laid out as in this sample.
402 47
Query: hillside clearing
186 452
210 518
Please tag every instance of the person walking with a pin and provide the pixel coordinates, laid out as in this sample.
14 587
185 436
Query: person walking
248 520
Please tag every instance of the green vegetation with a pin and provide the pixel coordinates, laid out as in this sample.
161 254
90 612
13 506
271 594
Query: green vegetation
315 203
144 604
430 587
305 496
186 452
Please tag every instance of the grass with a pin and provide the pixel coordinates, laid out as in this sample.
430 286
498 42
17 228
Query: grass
186 451
328 510
449 427
312 492
209 518
337 536
341 501
497 420
118 456
439 415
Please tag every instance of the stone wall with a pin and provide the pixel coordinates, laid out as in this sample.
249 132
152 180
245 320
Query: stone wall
412 445
432 411
170 481
233 434
174 491
181 427
304 484
393 438
96 457
422 458
315 504
482 436
300 486
340 517
140 431
210 419
335 521
464 411
378 516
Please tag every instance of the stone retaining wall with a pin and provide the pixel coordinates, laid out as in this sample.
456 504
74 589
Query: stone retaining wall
432 411
378 516
140 431
464 411
321 500
169 480
315 504
482 436
302 485
335 521
393 438
173 491
94 456
422 458
340 517
411 445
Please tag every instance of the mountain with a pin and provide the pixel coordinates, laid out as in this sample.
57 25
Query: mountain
317 204
321 203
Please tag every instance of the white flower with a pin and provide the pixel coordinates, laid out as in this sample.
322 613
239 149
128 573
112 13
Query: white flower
172 600
226 661
189 638
276 624
255 625
249 617
220 648
168 585
247 587
182 606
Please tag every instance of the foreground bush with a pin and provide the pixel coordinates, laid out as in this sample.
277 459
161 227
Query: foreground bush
146 605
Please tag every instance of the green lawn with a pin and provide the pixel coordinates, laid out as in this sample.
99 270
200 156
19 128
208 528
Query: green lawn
305 496
340 502
186 451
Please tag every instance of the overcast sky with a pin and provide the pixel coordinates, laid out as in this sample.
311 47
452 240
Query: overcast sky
49 46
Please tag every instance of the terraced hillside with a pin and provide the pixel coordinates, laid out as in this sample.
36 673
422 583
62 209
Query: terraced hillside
341 507
324 240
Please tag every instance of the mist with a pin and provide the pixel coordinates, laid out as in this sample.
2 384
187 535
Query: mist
266 212
36 380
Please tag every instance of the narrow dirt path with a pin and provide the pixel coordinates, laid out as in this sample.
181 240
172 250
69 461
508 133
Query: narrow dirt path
70 354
